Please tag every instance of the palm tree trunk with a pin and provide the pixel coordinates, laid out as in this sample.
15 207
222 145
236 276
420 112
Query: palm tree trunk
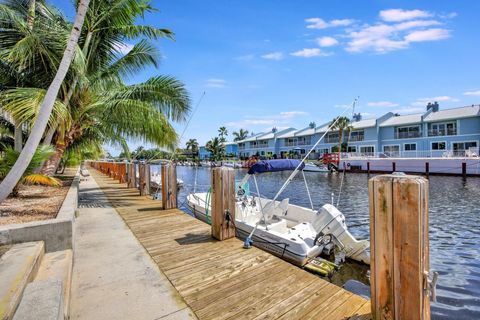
50 166
18 136
15 174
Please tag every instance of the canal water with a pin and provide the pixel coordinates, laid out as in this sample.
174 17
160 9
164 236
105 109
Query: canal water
454 227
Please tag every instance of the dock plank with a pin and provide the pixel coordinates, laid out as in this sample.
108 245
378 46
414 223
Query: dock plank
220 279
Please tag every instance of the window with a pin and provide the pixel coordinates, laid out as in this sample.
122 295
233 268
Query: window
357 135
352 149
439 145
367 150
408 132
332 137
459 148
442 129
410 147
304 141
391 150
290 142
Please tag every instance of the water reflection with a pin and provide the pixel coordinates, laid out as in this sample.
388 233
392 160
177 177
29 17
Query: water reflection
454 227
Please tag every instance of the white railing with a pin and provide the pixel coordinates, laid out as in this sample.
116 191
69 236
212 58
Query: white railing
470 153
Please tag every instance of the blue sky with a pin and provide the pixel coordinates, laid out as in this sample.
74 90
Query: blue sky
285 63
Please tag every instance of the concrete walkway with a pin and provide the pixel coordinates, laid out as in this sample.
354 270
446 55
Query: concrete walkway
113 276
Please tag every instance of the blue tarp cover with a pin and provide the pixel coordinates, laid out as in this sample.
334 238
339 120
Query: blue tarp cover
275 165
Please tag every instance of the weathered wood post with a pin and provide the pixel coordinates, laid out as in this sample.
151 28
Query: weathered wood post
399 263
394 166
144 178
223 203
464 169
368 167
132 175
427 169
168 174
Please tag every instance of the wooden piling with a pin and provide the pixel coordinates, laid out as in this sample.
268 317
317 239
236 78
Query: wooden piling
168 174
132 175
427 169
223 203
399 247
464 169
144 179
394 166
368 167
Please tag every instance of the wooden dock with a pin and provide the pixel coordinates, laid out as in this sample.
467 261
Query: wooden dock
220 279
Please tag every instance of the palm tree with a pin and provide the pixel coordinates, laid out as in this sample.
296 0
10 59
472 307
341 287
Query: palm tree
192 145
216 148
240 135
25 157
222 133
96 106
342 125
29 176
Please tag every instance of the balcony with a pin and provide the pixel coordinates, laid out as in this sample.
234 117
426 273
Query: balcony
442 132
331 139
408 135
359 137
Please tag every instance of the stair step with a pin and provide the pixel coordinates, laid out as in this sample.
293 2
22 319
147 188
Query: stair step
18 266
58 266
42 300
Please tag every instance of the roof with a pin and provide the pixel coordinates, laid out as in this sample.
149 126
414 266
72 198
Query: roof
228 143
402 120
367 123
448 114
268 135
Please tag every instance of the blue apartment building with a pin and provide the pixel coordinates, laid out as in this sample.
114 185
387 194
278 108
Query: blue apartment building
433 133
231 150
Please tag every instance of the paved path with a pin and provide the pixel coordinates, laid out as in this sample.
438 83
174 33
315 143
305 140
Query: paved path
113 275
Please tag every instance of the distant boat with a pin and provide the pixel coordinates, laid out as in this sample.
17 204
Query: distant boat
312 167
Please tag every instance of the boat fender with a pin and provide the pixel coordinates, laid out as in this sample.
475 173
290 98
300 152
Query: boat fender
348 164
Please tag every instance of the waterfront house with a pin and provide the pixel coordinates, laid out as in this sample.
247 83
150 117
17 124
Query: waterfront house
433 133
231 150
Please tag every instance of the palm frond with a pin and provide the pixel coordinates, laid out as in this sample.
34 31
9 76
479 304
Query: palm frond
41 179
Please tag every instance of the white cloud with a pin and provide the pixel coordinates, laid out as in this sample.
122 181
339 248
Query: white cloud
273 56
123 47
416 24
309 53
438 99
215 83
319 23
378 38
327 41
427 35
472 93
385 104
395 15
341 22
342 106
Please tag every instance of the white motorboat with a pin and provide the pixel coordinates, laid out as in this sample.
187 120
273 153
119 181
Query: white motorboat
289 231
312 167
156 181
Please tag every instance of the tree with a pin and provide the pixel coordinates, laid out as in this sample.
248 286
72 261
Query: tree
192 146
240 135
222 133
15 174
216 148
342 125
29 176
96 106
